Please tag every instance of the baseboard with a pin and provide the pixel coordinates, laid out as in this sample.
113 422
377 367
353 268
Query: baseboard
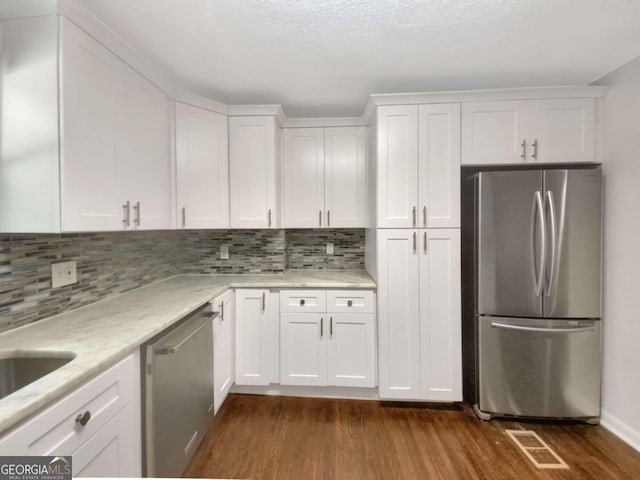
351 393
620 429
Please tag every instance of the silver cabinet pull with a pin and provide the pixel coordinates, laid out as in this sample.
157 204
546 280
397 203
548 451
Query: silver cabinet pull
320 218
330 327
264 301
184 216
349 303
524 149
136 211
424 215
328 218
222 312
413 215
302 302
269 216
83 418
126 217
534 155
415 241
321 326
425 242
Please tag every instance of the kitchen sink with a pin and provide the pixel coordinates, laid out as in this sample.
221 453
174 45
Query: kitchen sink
19 369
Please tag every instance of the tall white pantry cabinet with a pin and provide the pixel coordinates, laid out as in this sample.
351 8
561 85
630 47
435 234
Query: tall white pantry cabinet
418 251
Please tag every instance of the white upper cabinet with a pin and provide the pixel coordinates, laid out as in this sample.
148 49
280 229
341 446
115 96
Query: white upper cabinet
254 172
115 142
92 90
397 166
528 131
143 154
345 177
419 166
564 130
439 165
202 168
325 177
304 177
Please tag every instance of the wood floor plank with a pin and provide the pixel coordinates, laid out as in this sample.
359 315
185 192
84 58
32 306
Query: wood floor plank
269 437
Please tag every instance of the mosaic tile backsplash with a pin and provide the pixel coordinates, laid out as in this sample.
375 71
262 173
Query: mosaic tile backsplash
112 263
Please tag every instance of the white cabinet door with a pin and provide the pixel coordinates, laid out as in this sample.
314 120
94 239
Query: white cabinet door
202 168
254 172
304 177
493 132
528 131
303 348
91 97
564 130
397 166
440 321
115 451
223 342
398 314
253 337
439 165
345 177
351 356
143 153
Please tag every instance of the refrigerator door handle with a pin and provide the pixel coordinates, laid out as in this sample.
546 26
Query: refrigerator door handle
552 219
543 330
538 269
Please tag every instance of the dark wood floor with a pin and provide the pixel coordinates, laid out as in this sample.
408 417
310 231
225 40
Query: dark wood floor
262 437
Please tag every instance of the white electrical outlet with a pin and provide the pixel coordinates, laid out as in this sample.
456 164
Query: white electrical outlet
224 252
329 248
63 273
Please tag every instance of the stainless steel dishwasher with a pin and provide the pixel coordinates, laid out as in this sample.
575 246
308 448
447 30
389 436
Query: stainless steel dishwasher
178 391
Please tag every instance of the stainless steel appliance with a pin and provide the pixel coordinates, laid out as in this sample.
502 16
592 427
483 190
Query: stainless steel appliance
537 272
178 391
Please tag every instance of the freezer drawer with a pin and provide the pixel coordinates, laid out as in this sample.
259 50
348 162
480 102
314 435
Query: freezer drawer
539 368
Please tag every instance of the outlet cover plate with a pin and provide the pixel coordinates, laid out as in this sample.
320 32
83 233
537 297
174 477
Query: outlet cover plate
224 252
63 273
329 248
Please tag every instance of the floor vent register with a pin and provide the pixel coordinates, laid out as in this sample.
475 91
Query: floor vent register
536 450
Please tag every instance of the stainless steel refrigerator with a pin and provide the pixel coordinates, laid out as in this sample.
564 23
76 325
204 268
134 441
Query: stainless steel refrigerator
537 273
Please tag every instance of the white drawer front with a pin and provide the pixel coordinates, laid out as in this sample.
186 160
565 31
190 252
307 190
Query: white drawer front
351 301
55 431
303 301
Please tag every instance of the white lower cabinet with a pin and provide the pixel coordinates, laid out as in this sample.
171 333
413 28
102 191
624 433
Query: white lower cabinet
419 314
351 356
303 349
325 348
223 347
253 337
109 442
114 451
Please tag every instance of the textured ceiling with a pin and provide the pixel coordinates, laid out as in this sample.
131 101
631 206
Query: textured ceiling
324 57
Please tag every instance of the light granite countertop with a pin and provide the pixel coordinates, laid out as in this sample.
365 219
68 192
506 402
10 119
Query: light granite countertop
104 332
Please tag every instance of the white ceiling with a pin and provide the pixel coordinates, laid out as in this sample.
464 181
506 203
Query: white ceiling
324 57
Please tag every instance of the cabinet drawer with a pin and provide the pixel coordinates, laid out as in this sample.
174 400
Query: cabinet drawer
351 301
55 430
303 301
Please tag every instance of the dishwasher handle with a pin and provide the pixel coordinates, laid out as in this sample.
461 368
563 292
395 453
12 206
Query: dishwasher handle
170 350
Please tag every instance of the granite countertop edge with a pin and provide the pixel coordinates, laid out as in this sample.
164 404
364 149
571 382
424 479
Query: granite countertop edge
104 332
